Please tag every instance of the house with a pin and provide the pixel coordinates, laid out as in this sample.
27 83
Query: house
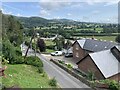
84 46
104 64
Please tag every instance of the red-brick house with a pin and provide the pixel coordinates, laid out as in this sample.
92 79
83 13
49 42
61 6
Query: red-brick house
104 64
84 46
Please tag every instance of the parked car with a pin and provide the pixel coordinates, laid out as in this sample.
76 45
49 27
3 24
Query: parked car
69 55
57 53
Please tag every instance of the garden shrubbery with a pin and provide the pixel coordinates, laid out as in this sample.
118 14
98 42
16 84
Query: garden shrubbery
10 52
40 69
53 82
14 55
35 61
113 85
62 62
69 66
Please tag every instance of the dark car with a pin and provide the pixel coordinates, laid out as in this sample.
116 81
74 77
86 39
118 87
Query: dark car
69 55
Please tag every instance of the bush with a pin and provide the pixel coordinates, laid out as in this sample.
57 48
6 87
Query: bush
44 74
40 70
113 85
19 60
35 61
11 53
18 51
90 75
53 82
62 62
69 66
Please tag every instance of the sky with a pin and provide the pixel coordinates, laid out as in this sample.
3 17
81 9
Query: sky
102 11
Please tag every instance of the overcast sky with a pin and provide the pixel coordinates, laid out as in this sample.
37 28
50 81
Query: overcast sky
87 10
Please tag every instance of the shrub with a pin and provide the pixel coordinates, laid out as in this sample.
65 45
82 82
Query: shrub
10 52
40 70
35 61
62 62
69 66
44 74
19 60
90 75
18 51
53 82
113 85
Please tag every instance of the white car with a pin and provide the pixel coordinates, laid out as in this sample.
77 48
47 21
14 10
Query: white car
57 53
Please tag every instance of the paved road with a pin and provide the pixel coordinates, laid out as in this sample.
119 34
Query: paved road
63 58
64 79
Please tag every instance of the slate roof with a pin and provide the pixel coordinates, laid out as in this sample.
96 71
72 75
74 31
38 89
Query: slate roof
106 62
95 45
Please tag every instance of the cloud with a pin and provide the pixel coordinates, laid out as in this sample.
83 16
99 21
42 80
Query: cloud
19 15
108 2
111 3
5 12
44 12
57 17
54 4
69 14
51 5
90 2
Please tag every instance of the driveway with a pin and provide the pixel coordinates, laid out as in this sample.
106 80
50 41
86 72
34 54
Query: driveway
64 79
67 60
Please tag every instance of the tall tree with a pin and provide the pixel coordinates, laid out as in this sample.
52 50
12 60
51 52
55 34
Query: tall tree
41 45
59 41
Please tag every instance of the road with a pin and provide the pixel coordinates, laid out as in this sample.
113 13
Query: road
63 58
64 79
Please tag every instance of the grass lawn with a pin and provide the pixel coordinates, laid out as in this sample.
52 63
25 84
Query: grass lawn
49 50
24 76
49 42
108 38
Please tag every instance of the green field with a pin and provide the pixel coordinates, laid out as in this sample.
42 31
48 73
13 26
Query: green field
49 42
50 50
24 76
107 38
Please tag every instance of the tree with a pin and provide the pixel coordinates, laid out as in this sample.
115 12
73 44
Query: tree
59 41
68 44
118 39
41 45
12 29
